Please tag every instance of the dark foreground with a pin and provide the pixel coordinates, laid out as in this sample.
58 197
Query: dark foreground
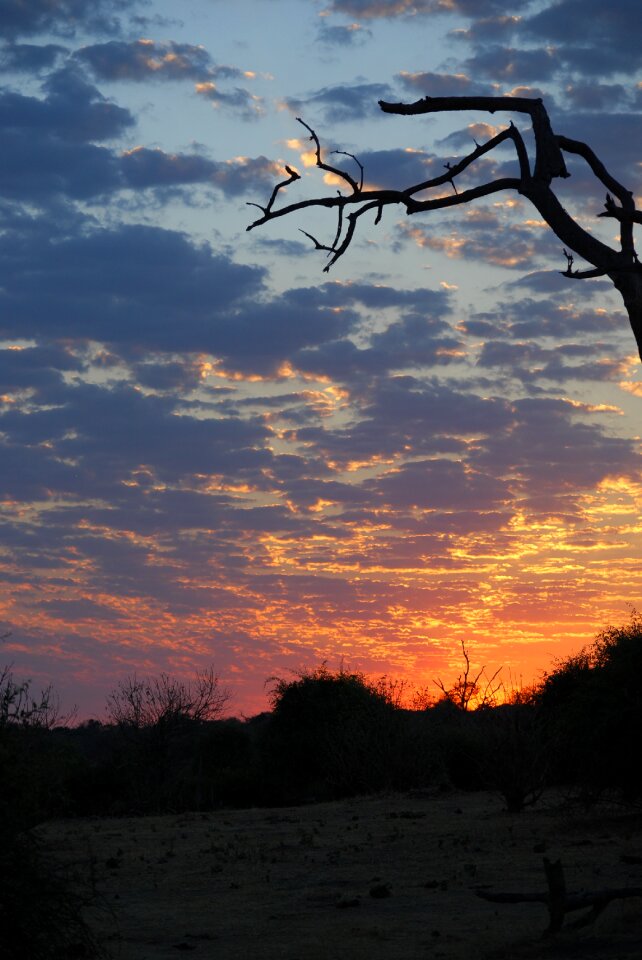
383 878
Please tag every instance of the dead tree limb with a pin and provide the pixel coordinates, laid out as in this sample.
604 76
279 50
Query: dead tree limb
621 265
559 902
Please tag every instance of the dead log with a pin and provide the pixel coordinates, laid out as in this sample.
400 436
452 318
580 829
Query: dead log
559 902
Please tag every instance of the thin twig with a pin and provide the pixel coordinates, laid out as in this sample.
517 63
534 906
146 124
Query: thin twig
337 171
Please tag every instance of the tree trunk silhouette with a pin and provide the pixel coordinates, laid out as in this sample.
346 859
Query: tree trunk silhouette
620 265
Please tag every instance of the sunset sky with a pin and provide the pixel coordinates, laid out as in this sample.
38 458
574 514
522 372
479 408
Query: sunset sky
215 453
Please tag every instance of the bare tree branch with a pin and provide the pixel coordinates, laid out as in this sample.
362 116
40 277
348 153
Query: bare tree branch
534 183
467 689
337 171
293 175
549 161
371 199
635 216
343 153
579 274
624 196
440 203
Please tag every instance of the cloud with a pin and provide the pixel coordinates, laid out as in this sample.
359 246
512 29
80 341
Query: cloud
552 281
534 364
241 101
513 65
554 454
440 485
82 609
412 342
291 249
34 167
135 429
569 37
481 234
113 285
21 369
427 84
143 167
72 109
389 9
29 57
344 35
343 103
147 60
603 39
484 29
612 134
548 335
49 142
376 296
395 168
465 139
143 60
46 153
62 17
406 416
595 96
144 288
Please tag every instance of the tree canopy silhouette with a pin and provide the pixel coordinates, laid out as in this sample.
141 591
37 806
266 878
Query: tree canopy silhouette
619 264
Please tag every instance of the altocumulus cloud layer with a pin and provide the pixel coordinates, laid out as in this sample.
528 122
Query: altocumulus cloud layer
211 451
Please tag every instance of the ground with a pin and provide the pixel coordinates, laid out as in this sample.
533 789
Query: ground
389 877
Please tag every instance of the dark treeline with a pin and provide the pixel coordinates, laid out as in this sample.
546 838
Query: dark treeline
329 734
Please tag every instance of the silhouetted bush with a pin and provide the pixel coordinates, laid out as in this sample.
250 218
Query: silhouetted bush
331 734
41 906
41 911
592 707
34 765
156 754
501 748
458 743
514 756
165 702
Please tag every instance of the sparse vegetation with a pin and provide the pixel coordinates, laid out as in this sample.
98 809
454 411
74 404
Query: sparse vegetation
330 734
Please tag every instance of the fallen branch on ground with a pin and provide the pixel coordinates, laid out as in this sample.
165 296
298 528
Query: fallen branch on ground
559 902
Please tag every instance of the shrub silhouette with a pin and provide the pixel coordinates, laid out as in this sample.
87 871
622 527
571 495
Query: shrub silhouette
513 757
592 706
159 722
41 911
331 734
41 906
34 765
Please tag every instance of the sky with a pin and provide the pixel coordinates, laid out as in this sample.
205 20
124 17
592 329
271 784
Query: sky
216 453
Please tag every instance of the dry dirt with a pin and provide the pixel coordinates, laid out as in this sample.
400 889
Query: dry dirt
384 878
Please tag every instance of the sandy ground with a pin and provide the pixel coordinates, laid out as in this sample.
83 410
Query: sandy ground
384 878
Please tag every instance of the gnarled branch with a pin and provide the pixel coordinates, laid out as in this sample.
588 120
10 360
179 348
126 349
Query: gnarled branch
534 183
549 160
337 171
370 199
293 176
